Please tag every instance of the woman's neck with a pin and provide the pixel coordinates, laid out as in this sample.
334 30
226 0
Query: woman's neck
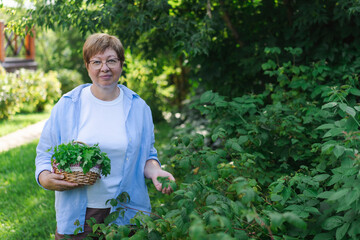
105 94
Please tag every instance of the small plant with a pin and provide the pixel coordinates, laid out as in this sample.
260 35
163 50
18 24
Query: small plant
76 154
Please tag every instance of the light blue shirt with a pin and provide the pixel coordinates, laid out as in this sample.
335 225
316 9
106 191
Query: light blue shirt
62 127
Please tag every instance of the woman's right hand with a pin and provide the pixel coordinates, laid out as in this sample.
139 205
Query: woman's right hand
54 181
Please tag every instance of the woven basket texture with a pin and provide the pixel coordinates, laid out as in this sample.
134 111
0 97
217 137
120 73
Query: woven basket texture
79 177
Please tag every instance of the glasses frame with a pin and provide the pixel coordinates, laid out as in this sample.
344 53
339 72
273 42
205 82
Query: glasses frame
102 63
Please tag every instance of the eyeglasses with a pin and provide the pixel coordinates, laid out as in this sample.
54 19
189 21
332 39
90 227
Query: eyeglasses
111 63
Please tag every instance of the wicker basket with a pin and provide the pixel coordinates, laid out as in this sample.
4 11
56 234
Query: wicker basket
77 175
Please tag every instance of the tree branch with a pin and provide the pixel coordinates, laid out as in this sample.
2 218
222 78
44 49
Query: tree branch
229 24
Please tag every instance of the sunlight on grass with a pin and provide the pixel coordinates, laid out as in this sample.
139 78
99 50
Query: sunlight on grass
20 121
27 211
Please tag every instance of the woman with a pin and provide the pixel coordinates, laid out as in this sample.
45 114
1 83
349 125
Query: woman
119 120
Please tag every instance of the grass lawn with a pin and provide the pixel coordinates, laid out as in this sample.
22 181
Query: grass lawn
21 120
27 211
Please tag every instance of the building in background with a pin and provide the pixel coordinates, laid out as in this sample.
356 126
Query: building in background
15 51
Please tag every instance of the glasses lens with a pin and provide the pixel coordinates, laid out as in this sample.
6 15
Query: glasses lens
111 63
96 64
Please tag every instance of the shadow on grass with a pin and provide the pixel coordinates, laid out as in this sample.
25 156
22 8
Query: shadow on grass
27 211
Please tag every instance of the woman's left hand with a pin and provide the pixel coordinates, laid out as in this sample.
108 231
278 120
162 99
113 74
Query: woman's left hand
153 171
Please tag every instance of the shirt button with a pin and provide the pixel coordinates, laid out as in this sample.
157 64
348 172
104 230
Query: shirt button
127 159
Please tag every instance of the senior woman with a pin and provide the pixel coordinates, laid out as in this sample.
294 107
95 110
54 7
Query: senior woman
112 115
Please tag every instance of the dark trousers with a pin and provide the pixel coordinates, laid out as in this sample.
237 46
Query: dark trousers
97 213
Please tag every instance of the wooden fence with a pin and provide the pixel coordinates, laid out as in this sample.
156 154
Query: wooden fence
16 51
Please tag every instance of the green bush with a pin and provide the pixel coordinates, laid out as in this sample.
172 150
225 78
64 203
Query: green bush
11 94
69 79
150 80
28 89
283 164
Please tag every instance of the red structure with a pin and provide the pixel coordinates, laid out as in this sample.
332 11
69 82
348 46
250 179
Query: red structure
17 52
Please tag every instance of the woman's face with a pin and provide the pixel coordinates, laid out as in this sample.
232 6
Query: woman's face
105 77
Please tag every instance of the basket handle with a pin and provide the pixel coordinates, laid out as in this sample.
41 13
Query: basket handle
80 142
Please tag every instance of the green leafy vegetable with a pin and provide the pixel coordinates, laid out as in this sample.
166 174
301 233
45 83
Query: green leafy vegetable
71 154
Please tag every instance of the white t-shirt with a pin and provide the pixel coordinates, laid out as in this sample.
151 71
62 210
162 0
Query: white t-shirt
103 122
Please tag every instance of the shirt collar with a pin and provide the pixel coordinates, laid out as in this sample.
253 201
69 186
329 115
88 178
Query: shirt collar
74 94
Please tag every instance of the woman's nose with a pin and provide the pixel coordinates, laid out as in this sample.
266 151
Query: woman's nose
104 67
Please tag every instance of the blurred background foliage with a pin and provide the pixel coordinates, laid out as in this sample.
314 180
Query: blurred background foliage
197 44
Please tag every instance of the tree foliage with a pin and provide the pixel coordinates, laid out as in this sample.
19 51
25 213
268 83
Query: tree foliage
226 38
217 45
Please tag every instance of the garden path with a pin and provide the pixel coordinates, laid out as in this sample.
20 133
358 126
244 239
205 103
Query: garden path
22 136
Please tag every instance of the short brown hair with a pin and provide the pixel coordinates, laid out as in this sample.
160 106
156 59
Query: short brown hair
98 43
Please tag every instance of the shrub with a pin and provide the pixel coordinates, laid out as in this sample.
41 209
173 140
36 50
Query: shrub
69 79
282 164
27 89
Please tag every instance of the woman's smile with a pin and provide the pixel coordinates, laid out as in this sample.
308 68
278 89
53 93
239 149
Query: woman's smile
106 77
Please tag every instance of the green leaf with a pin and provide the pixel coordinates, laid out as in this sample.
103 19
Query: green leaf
243 139
321 177
329 105
207 96
77 230
332 222
111 217
173 213
95 227
212 198
198 140
355 91
236 147
334 132
123 197
295 220
276 219
77 222
338 151
139 235
113 202
286 193
347 109
351 197
326 126
272 50
341 231
325 195
323 236
186 140
338 194
173 185
278 188
275 197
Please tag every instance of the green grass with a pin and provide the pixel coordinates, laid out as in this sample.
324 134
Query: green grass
20 121
27 211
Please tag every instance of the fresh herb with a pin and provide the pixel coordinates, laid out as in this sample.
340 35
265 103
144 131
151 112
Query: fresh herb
166 182
71 154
